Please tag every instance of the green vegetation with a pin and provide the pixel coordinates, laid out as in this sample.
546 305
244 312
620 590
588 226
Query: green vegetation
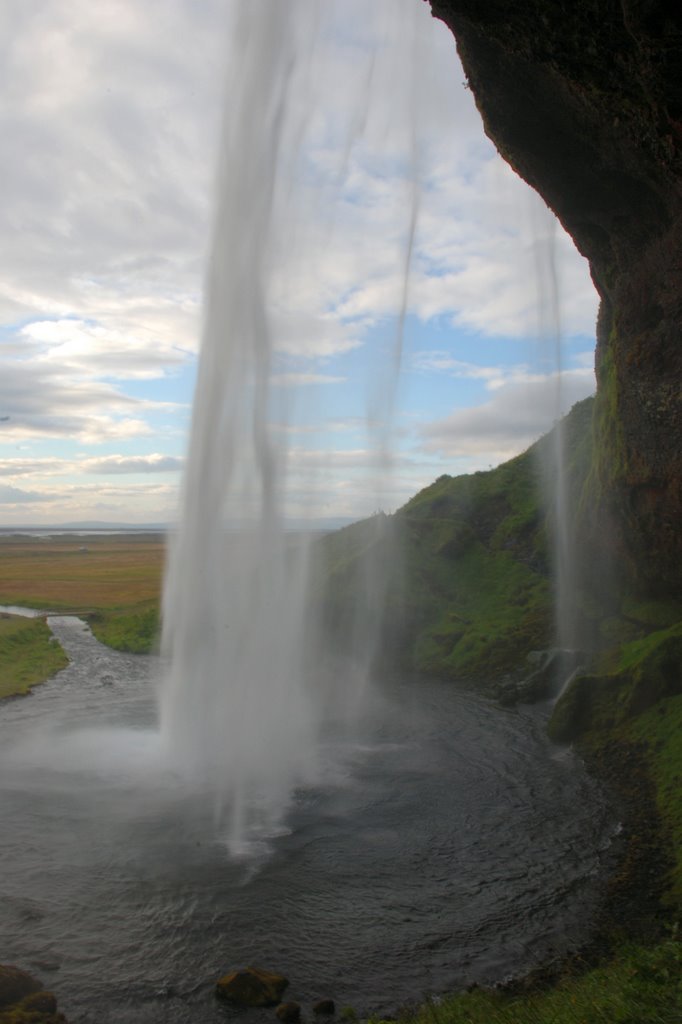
469 581
135 631
640 986
637 705
28 654
114 581
477 595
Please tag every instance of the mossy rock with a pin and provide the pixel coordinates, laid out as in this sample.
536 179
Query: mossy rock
251 986
645 672
16 985
657 676
573 711
24 1001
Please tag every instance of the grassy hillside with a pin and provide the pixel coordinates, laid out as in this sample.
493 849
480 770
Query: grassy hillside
468 565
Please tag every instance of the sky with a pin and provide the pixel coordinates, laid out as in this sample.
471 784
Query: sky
421 299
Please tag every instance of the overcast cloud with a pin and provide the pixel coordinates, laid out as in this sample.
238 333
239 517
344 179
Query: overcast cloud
110 119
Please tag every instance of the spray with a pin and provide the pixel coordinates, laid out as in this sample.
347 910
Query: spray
242 706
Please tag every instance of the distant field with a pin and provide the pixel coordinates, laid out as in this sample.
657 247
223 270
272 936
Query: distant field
81 574
113 580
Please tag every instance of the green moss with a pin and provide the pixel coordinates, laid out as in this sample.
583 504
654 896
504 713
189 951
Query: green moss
659 730
633 678
637 704
28 655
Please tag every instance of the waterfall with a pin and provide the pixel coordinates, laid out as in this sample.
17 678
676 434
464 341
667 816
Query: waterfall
241 706
554 457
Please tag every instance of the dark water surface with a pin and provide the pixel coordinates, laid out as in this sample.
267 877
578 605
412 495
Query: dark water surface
449 843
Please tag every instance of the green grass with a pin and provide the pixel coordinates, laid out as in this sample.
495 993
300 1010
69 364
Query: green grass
28 655
467 578
640 986
135 631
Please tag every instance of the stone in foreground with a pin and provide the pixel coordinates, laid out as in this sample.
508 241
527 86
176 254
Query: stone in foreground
251 986
289 1013
324 1006
15 985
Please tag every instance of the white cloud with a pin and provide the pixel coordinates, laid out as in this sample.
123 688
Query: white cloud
116 464
95 351
518 414
293 380
31 467
37 399
14 496
109 116
439 361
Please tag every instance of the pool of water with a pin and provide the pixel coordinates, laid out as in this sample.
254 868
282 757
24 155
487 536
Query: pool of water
446 842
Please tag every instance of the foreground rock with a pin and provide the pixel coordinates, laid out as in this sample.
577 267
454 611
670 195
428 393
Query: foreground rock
251 986
289 1013
22 999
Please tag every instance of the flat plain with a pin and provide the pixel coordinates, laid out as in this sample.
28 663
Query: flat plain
81 573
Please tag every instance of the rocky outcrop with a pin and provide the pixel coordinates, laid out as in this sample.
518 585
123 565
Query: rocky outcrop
584 100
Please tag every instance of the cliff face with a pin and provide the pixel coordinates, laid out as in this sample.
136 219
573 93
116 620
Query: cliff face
584 100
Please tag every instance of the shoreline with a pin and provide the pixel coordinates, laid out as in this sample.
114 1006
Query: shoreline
632 909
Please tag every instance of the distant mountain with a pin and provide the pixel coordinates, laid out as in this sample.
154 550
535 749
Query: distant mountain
84 527
93 525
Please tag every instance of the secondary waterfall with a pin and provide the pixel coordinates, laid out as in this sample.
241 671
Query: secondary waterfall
243 704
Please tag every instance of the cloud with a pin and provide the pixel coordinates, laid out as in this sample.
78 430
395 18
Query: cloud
305 335
439 361
110 119
42 397
14 496
514 418
293 380
94 351
31 467
39 400
115 464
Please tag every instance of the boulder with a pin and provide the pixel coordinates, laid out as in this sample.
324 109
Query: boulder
324 1007
251 986
39 1002
289 1013
15 985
